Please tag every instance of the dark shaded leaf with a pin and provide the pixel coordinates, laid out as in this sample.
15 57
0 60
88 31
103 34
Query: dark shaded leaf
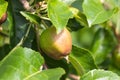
78 4
82 60
51 63
74 25
18 24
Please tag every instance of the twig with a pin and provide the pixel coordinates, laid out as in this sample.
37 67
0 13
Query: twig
45 18
105 4
1 28
25 4
74 77
24 37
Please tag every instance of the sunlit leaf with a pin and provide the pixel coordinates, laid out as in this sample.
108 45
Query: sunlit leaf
3 7
96 13
100 75
50 74
31 17
59 14
20 63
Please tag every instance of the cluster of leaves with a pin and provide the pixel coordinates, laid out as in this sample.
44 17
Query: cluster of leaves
91 22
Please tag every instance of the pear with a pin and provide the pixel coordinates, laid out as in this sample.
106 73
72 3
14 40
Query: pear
56 45
3 18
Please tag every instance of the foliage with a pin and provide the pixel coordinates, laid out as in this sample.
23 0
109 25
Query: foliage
95 31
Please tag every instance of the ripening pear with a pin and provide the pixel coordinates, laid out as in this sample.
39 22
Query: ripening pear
56 45
3 18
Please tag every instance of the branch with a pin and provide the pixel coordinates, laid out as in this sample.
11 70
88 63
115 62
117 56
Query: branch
24 37
25 4
74 77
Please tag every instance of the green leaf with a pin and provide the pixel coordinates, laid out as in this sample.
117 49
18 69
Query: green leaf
113 3
20 63
79 16
50 74
29 40
95 12
82 60
100 75
59 14
18 24
103 43
74 25
4 50
114 69
31 17
1 40
116 21
3 7
37 76
77 4
83 37
68 2
51 63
